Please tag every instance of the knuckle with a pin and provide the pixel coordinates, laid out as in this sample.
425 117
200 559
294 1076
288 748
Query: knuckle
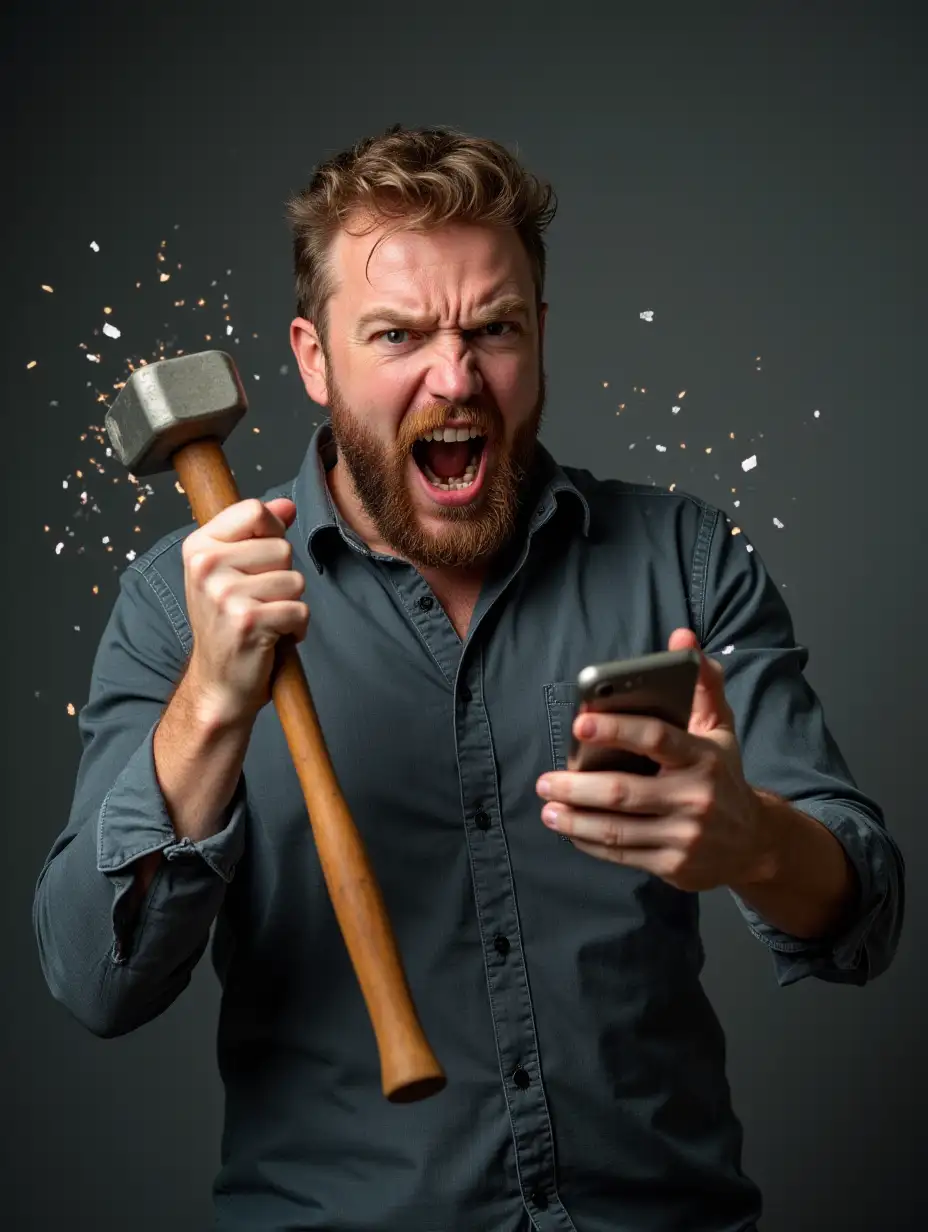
700 803
617 793
201 561
615 836
689 834
653 736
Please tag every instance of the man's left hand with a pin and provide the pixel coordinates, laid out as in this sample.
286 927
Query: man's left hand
696 823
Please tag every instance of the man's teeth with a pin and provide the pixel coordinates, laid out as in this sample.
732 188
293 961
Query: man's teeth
450 435
451 485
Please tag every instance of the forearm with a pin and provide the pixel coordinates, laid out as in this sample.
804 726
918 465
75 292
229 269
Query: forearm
115 952
198 761
805 884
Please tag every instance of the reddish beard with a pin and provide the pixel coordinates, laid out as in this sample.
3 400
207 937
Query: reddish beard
472 534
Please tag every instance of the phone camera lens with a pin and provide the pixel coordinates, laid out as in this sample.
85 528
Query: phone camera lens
604 690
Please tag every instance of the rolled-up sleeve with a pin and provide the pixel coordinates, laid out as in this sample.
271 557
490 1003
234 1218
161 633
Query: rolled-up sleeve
113 968
787 748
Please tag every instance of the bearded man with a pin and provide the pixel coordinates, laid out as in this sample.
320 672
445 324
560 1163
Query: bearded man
445 580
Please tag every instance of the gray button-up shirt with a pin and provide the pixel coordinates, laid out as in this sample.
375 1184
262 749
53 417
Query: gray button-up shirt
586 1081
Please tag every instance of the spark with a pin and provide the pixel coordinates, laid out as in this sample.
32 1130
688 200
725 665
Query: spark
675 409
164 277
727 649
111 331
46 287
661 448
32 363
59 548
816 414
71 709
749 463
682 393
646 316
778 523
94 245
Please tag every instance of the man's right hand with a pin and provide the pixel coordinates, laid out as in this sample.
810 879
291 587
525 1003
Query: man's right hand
242 596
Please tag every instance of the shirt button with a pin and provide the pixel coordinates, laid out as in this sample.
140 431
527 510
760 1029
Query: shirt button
426 603
482 820
502 945
540 1198
520 1078
466 694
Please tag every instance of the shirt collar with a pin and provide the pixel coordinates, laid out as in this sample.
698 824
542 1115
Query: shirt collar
318 519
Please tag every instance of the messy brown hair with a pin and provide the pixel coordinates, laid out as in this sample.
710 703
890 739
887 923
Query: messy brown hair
420 179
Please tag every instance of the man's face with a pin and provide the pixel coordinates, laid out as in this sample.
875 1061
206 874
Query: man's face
441 328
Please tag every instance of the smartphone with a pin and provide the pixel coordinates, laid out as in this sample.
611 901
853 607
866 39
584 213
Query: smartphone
658 685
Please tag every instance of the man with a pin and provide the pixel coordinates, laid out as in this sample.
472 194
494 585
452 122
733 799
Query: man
454 585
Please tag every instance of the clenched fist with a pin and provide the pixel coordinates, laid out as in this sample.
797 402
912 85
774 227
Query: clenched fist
242 596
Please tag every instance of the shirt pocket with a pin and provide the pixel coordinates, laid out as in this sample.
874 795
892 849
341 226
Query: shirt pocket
561 704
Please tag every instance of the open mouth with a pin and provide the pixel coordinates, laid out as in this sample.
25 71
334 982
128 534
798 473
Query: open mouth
450 460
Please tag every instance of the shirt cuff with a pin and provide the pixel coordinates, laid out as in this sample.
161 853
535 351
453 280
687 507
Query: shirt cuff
134 822
842 957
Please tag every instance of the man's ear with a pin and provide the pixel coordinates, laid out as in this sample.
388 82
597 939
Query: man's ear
310 358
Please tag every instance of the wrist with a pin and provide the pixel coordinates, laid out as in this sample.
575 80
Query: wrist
765 860
212 710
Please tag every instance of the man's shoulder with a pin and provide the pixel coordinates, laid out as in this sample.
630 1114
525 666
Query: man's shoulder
615 504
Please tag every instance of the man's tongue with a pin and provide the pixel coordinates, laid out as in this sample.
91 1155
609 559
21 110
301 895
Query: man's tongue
447 459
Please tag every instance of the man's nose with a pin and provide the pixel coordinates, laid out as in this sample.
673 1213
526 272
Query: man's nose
454 375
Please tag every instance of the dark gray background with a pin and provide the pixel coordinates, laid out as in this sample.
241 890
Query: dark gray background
754 179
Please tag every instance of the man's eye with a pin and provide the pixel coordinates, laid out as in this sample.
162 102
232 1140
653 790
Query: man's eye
390 335
495 328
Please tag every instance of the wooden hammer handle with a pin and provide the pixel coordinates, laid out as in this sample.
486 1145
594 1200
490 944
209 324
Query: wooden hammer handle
408 1068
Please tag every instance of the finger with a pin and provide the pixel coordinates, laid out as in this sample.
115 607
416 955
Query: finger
619 831
255 555
265 587
282 508
618 791
283 616
245 520
663 742
660 861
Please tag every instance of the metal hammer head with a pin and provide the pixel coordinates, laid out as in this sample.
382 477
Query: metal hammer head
169 403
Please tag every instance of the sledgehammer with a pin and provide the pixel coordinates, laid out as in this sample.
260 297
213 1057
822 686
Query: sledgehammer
175 414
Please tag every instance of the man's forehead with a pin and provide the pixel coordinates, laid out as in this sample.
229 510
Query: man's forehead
386 257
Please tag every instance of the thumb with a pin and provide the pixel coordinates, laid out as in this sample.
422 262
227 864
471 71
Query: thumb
710 706
282 508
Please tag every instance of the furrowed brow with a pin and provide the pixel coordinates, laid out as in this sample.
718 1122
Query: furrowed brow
392 318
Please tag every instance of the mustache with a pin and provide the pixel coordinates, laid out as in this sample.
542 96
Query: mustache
488 423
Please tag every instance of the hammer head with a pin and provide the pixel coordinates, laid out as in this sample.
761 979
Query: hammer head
169 403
